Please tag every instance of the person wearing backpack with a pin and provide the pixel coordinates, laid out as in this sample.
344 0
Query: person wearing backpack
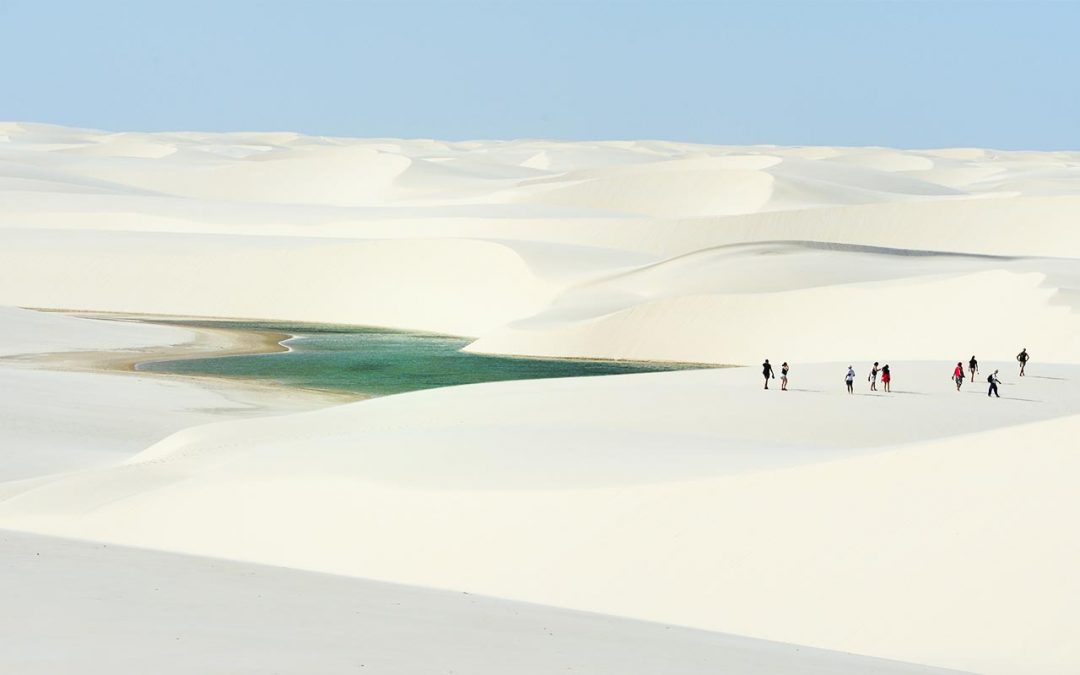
1022 357
994 382
958 375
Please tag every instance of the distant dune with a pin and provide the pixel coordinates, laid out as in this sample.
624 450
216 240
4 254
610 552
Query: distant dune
640 250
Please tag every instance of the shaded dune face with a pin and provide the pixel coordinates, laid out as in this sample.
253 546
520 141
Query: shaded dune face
346 621
631 249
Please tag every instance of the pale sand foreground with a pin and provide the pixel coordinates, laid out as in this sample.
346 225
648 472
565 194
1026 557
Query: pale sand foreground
162 613
171 613
690 498
70 399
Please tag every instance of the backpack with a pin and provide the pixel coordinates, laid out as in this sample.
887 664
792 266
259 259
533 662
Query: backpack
990 379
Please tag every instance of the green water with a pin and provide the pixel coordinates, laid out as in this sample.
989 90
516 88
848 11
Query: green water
379 362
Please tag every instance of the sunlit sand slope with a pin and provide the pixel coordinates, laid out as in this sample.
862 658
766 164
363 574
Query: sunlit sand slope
808 516
176 614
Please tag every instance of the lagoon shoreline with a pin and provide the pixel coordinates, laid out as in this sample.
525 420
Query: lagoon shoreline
206 342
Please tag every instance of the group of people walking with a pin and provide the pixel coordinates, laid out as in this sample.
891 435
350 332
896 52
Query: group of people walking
973 368
769 374
886 374
884 371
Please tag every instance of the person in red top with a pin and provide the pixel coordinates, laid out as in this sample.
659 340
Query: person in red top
958 375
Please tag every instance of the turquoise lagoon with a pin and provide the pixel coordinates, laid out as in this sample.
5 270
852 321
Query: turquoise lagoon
377 362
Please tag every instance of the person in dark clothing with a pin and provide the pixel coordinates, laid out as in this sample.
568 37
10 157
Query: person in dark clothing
872 377
783 376
767 371
1022 357
994 382
973 366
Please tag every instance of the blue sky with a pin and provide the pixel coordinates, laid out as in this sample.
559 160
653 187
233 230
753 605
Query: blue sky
904 74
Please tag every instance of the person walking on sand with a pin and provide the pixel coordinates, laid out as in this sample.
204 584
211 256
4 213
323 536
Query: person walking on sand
872 377
973 366
958 375
850 379
783 376
994 382
1022 357
886 377
767 371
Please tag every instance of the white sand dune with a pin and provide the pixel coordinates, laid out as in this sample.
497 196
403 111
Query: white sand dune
456 214
53 421
440 285
807 304
693 498
175 614
927 526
